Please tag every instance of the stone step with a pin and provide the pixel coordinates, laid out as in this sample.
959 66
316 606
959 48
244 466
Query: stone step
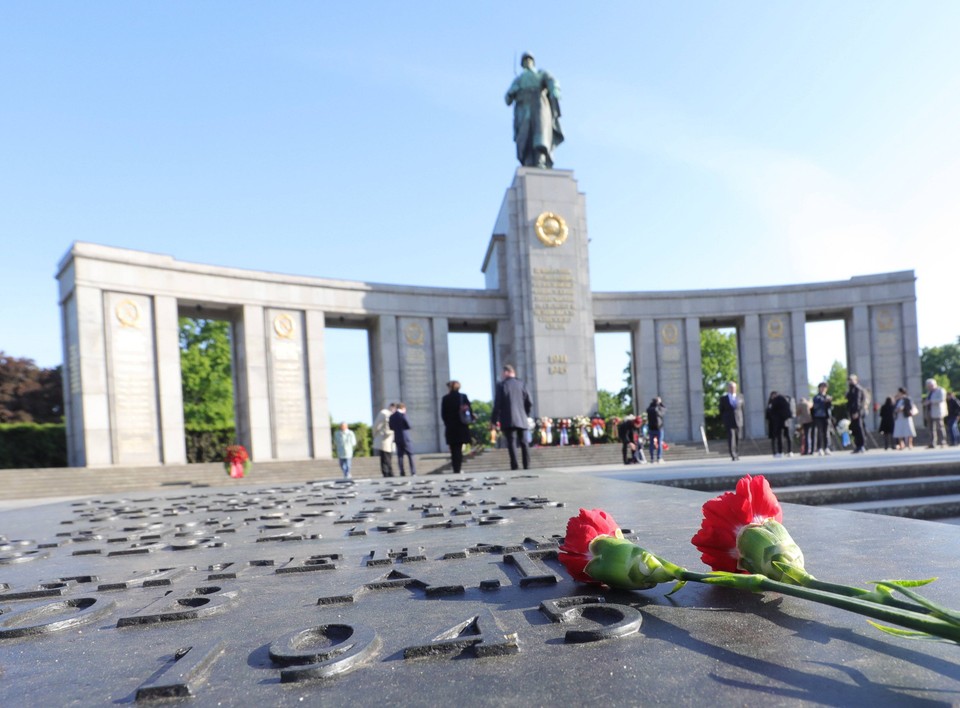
931 507
786 478
853 492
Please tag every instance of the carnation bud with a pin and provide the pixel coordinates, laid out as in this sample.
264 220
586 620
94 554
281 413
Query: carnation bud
622 564
761 545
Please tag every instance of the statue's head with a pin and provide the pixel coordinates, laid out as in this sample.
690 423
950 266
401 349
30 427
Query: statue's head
527 61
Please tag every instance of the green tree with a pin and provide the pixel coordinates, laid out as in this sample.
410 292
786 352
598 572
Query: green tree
205 364
612 404
480 427
942 363
623 397
718 365
837 387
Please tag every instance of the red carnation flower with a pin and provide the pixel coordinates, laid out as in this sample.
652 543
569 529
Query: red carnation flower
581 530
727 515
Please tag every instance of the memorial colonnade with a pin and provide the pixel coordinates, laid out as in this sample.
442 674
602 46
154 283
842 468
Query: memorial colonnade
122 383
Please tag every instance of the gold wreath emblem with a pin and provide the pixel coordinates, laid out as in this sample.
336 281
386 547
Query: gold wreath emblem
283 326
128 313
884 320
669 333
414 334
551 229
775 328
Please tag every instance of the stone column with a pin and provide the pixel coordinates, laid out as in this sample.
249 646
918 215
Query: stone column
169 380
85 377
441 369
645 384
911 348
694 378
384 362
132 378
417 381
287 385
859 354
777 354
672 378
317 384
798 328
751 376
252 395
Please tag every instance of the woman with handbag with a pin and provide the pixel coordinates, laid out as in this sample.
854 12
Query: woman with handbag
457 415
903 428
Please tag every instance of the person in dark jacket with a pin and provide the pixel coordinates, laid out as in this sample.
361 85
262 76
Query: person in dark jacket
511 408
655 425
456 413
953 414
820 410
778 413
886 422
856 408
400 425
731 413
626 437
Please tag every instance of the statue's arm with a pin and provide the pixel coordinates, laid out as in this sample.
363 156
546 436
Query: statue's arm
552 86
512 92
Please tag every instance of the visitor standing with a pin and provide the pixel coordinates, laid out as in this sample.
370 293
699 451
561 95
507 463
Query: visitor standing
856 409
805 421
400 425
903 428
456 414
821 410
655 427
383 439
778 413
731 413
345 441
953 416
935 410
887 413
511 406
626 436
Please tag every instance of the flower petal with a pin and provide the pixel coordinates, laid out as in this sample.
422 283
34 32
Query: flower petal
582 529
753 502
575 563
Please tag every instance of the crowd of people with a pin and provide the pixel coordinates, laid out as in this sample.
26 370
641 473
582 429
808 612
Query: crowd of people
815 423
807 423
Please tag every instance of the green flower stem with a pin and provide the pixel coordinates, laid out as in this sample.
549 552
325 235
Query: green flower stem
881 594
915 621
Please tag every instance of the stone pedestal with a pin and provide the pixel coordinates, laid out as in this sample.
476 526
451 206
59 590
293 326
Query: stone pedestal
538 258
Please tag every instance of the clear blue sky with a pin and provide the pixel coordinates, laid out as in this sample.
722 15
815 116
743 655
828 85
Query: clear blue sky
718 144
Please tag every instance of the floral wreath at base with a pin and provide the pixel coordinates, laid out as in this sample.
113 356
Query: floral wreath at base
236 461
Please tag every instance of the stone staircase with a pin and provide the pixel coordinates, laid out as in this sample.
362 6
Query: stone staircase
917 490
83 481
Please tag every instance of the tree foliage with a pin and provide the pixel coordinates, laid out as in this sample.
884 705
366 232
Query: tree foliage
205 366
623 397
718 365
941 363
837 384
29 394
613 404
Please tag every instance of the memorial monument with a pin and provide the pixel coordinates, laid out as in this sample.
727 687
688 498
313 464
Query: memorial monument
119 309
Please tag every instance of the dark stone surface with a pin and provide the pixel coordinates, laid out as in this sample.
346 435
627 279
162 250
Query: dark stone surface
437 591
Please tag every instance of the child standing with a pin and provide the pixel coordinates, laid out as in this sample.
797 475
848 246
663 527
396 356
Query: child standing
345 441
